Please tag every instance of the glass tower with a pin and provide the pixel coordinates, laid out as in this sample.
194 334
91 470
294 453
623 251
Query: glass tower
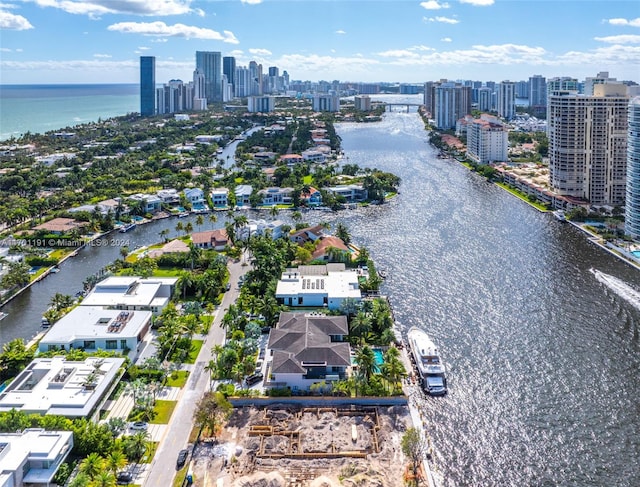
210 63
147 85
632 205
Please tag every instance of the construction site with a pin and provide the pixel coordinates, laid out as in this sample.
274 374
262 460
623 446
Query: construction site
297 446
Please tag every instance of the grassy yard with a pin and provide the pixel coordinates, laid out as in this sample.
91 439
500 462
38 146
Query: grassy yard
180 380
536 204
150 453
193 355
163 411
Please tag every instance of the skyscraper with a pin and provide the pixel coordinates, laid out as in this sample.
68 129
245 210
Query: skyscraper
255 78
447 101
632 203
590 82
210 63
538 92
507 100
147 85
587 144
229 69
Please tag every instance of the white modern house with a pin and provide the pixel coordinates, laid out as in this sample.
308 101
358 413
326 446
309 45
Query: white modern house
324 286
61 387
307 349
276 196
132 293
261 227
169 196
195 196
93 328
33 456
353 193
151 203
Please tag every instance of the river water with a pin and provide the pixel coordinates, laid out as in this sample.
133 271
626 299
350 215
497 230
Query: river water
538 327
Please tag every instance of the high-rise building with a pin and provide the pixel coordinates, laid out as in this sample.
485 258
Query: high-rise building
587 144
261 104
255 79
487 140
522 89
199 96
241 87
326 103
507 100
485 95
229 69
362 103
602 77
447 101
147 85
210 63
632 203
537 91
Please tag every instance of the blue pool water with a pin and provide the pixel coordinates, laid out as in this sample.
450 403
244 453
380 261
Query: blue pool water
636 253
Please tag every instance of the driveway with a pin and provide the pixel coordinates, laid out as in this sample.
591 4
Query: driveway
175 436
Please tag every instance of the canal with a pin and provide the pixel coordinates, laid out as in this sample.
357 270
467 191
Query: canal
538 327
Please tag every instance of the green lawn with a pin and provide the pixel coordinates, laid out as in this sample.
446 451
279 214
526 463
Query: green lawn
163 410
536 204
193 355
180 380
150 453
167 272
308 179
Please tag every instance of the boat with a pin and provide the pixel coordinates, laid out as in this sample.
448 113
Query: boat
427 359
45 323
559 214
55 270
382 273
127 227
3 315
183 214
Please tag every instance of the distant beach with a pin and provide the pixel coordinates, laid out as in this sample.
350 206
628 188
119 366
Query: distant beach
41 108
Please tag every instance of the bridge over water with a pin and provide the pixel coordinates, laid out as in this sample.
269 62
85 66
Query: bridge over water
389 106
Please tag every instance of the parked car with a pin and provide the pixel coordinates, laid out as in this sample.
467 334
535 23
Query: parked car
182 458
139 426
254 379
124 478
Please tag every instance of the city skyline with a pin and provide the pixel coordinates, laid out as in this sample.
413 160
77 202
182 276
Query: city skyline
98 41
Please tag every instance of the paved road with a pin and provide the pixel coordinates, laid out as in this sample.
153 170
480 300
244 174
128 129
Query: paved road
163 467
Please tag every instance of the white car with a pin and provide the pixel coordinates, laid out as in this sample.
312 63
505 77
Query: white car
139 426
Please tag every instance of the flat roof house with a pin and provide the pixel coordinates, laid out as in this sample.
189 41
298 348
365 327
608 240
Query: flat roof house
132 293
318 285
94 328
61 387
32 457
308 348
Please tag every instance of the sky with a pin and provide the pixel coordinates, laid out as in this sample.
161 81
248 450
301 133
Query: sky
101 41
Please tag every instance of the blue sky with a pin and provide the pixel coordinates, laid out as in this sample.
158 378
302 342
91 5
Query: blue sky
100 41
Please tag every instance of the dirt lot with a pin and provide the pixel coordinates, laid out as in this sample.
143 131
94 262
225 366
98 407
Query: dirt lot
310 447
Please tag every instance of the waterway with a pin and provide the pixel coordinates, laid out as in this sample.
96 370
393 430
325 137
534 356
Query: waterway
538 327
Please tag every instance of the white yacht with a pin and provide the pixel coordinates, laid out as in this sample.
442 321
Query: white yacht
427 359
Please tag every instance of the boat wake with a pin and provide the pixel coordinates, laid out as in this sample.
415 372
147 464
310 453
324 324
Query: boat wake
619 287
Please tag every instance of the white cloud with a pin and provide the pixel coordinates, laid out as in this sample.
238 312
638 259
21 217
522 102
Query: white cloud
4 49
143 48
340 31
631 22
602 56
478 3
434 5
236 52
177 30
102 56
421 48
260 52
11 21
446 20
316 67
446 39
252 2
620 39
96 8
399 53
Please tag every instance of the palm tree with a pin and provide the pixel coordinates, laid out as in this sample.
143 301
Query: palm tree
116 460
163 234
366 362
213 218
104 479
199 221
92 465
60 301
179 228
274 211
342 233
188 228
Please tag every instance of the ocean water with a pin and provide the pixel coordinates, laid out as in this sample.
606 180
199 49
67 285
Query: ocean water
41 108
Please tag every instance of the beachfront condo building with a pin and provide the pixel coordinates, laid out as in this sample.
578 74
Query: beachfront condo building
147 85
487 140
588 144
538 94
632 205
447 102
